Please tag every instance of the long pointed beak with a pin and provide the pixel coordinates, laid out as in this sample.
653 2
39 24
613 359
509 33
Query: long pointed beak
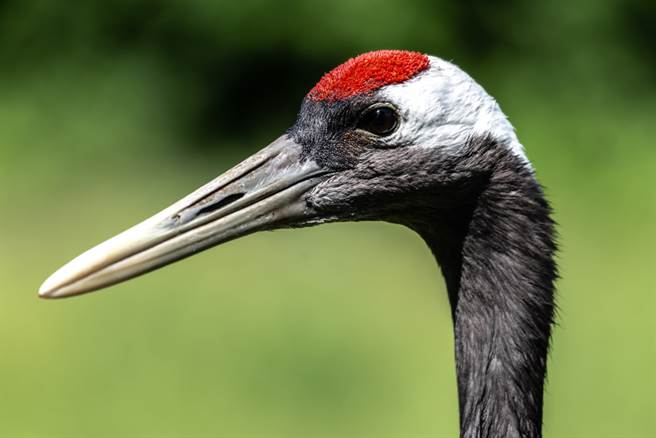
263 192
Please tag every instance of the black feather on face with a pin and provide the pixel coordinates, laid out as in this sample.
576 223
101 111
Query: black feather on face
328 131
376 180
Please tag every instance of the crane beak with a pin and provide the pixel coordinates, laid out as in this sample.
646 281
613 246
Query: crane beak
264 192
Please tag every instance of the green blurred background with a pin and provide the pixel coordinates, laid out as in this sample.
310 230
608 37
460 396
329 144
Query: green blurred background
111 110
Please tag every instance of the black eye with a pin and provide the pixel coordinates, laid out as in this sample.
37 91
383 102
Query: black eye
381 120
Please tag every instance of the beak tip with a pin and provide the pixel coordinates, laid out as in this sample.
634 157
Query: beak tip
47 290
53 287
65 281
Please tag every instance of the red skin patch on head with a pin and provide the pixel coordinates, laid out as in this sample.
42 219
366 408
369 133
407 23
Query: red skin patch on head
368 72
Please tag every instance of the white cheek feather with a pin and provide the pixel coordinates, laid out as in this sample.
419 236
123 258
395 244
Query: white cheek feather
443 106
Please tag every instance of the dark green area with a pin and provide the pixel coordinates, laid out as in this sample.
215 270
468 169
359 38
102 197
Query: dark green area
111 110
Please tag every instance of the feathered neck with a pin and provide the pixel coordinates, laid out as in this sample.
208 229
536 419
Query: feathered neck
496 253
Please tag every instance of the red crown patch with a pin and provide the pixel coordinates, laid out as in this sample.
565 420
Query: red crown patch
368 72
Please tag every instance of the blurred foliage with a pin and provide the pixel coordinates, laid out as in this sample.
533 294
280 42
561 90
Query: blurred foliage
110 110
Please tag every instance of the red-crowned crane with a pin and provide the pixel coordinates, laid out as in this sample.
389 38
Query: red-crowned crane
406 138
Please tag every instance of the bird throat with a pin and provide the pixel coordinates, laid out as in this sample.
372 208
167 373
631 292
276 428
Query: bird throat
496 255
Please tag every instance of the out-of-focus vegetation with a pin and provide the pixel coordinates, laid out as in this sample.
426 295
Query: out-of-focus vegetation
111 110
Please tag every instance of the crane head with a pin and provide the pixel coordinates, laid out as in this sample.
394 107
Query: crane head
383 136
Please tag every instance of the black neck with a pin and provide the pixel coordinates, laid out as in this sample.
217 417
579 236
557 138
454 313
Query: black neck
496 254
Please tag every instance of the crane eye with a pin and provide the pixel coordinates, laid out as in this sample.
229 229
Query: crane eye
379 120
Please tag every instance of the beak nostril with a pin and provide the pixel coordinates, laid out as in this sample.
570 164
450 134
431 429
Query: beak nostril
229 199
